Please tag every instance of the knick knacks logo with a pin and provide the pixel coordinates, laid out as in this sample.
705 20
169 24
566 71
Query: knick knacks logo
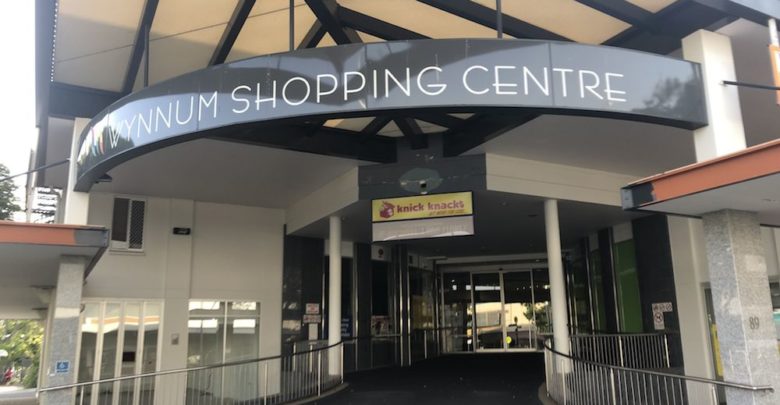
387 211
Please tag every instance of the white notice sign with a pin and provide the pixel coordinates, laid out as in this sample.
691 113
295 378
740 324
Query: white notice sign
423 228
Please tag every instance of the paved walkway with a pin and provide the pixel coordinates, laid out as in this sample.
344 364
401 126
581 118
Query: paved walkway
507 378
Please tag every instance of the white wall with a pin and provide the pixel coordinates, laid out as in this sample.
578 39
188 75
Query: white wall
233 253
529 177
237 253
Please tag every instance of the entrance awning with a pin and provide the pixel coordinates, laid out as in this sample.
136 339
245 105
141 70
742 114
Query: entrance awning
30 258
747 180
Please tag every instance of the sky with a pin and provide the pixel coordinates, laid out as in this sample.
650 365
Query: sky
17 87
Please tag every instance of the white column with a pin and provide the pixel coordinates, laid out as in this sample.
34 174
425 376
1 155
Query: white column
76 203
725 133
560 315
334 291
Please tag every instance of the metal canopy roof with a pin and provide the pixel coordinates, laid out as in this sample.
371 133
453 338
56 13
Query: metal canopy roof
31 255
747 180
91 52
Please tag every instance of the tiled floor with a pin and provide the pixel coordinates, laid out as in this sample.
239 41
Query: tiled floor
511 378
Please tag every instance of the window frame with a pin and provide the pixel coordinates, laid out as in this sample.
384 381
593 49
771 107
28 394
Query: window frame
124 246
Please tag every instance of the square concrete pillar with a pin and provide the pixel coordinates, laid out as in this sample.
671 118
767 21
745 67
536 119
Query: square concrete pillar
742 304
725 133
62 352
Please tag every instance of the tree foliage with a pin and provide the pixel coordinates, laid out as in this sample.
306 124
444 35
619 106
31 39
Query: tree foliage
22 340
7 188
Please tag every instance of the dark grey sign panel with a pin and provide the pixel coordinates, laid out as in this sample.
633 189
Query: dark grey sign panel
372 79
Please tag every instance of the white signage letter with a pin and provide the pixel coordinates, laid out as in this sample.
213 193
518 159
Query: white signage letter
466 76
347 90
243 100
424 88
563 78
497 80
192 110
527 73
406 90
271 99
321 93
608 88
590 88
202 101
303 99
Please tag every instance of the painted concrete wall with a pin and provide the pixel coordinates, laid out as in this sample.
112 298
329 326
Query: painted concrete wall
233 253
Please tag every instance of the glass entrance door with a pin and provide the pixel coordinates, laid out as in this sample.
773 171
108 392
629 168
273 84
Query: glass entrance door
518 310
496 311
488 311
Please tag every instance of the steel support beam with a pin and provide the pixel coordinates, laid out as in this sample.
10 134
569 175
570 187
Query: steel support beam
144 27
326 12
757 11
313 36
374 26
44 46
229 36
69 101
676 22
442 120
486 16
622 10
375 126
412 132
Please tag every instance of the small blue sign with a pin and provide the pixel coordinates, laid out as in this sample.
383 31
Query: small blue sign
62 367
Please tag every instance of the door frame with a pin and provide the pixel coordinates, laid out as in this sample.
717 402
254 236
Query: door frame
512 268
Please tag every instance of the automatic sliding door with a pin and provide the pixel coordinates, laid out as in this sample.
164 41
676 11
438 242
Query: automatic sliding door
488 311
456 312
518 310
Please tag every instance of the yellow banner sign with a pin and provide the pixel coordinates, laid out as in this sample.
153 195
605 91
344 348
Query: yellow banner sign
420 207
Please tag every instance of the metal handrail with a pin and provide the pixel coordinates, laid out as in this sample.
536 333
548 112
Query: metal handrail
662 374
178 370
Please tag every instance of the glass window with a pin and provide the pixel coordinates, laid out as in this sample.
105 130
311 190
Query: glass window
127 224
90 326
224 331
627 286
104 327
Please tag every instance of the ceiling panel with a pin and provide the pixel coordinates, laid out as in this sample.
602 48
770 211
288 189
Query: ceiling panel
245 174
85 27
421 18
176 55
93 41
180 16
429 128
104 70
568 18
391 130
652 6
617 146
266 30
352 124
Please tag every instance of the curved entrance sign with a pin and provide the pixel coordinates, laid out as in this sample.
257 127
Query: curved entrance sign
374 79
